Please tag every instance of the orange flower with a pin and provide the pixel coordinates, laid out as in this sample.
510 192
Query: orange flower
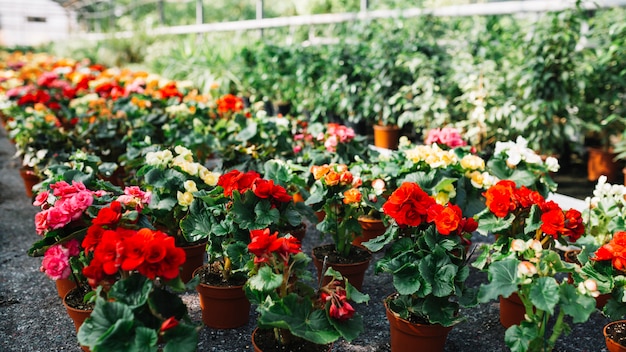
352 195
319 171
332 178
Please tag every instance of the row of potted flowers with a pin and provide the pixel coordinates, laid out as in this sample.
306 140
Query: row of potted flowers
426 192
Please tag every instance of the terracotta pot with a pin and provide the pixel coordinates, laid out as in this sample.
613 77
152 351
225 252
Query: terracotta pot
370 229
223 307
64 286
30 179
512 310
354 272
405 336
600 162
386 136
78 315
300 342
320 215
195 255
611 344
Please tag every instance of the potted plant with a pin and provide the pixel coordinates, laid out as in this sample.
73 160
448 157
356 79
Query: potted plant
224 216
427 255
134 270
291 313
523 266
174 179
336 193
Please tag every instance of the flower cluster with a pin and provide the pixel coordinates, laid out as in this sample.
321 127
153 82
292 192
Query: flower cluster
236 180
229 104
334 135
615 251
605 211
116 248
515 161
285 303
173 179
67 203
431 241
448 136
336 193
520 211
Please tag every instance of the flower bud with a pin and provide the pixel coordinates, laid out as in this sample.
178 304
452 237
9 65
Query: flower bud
525 269
518 245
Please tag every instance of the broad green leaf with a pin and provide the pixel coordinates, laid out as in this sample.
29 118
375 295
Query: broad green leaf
407 280
297 316
355 295
265 280
349 329
579 307
503 281
104 316
196 225
132 291
164 304
183 337
519 337
265 215
544 294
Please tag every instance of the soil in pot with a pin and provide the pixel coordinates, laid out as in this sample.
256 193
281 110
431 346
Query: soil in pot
264 341
211 276
615 335
352 267
74 298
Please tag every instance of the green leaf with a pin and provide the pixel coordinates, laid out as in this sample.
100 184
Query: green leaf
355 295
196 225
183 337
544 293
519 337
298 317
349 329
265 280
105 316
407 280
503 281
164 304
265 215
132 291
579 307
248 132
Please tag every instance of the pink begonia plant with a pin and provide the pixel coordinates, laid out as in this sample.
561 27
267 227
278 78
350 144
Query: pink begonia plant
68 203
448 136
56 260
335 134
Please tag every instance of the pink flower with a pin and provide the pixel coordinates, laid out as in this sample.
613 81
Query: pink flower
448 136
297 149
56 263
41 198
63 189
100 193
298 137
73 248
134 196
41 222
331 144
77 204
57 218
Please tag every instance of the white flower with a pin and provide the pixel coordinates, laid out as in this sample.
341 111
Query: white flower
518 245
526 269
552 164
210 178
589 287
160 158
183 152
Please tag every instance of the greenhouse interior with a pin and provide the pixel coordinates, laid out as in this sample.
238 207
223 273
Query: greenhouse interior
313 175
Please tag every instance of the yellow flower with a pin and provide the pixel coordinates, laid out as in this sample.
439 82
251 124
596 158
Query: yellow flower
190 186
442 198
472 162
210 178
184 199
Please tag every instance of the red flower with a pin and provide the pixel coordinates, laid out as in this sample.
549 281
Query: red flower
408 205
263 245
110 215
266 189
500 198
553 222
228 103
109 252
134 249
448 220
92 238
236 180
615 251
168 324
526 197
574 226
339 308
169 91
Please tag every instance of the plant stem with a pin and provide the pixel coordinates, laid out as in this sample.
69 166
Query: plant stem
558 328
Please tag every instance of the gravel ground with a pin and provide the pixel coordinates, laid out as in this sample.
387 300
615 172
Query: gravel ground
32 317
